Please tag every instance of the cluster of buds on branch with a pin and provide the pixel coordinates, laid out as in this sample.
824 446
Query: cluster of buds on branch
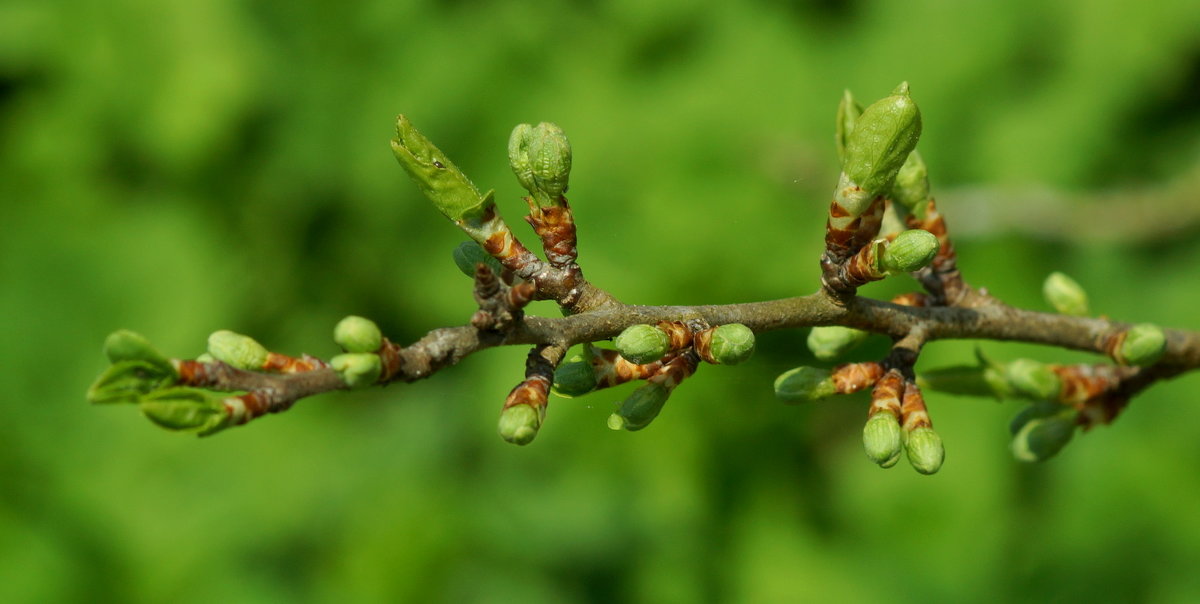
882 222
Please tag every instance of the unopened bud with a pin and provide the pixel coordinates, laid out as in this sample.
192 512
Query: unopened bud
642 344
832 341
925 450
1033 379
910 251
804 384
519 424
357 369
732 343
185 409
1065 295
1143 346
1041 437
883 136
470 253
882 438
642 406
966 380
911 188
540 157
443 183
574 378
356 334
125 345
237 350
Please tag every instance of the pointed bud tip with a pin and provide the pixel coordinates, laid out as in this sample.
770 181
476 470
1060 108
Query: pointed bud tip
616 422
804 384
1041 436
642 344
901 89
641 407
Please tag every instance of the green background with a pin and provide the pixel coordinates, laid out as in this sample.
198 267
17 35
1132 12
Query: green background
180 167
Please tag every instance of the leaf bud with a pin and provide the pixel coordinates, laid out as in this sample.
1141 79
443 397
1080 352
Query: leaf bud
642 344
1041 437
642 406
185 410
356 334
804 384
127 381
911 188
1065 295
540 157
832 341
125 345
732 343
882 438
443 183
519 424
237 350
847 114
1033 379
967 380
925 450
911 250
574 378
1144 345
883 136
470 253
357 369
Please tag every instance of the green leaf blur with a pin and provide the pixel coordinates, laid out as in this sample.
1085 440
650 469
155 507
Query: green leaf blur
180 167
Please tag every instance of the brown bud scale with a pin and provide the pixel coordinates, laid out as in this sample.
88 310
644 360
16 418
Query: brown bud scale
913 411
885 397
852 377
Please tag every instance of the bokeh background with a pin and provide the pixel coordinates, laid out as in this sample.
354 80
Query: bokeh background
180 167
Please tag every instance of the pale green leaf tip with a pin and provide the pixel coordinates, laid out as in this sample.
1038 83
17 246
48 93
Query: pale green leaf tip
1040 437
804 384
1143 346
832 341
901 89
1033 379
616 422
357 369
519 424
1065 295
237 350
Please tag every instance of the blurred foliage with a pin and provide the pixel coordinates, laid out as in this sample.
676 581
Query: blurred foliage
180 167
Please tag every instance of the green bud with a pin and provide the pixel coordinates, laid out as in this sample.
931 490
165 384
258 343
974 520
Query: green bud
574 378
1065 295
1033 411
443 183
925 450
732 343
911 188
356 334
186 410
830 342
967 380
642 343
637 411
847 114
519 424
1143 346
357 369
893 460
125 345
804 384
1033 379
882 138
540 157
911 250
237 350
470 253
1041 438
128 381
882 438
